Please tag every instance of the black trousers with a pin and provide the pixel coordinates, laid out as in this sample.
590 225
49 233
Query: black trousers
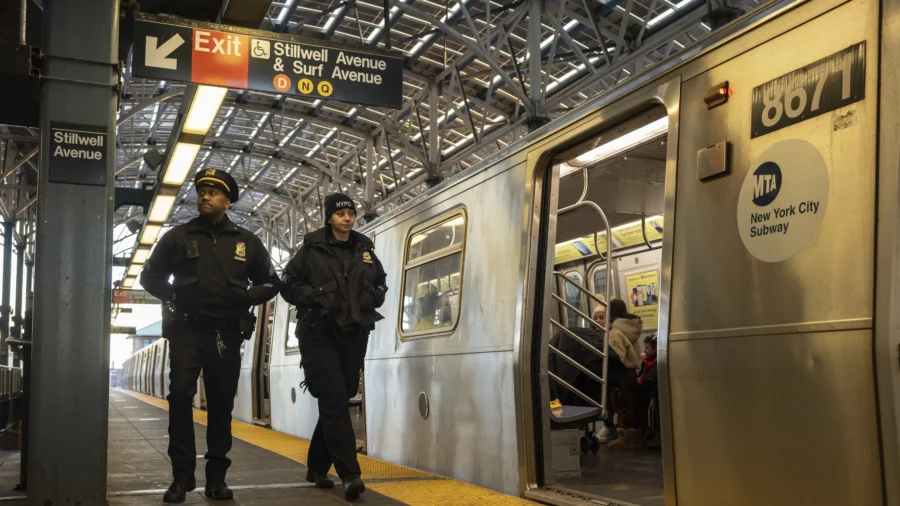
332 364
190 350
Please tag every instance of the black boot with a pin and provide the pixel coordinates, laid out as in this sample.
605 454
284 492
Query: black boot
177 492
320 479
353 486
218 490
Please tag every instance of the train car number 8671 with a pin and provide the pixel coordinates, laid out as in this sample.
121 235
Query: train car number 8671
828 84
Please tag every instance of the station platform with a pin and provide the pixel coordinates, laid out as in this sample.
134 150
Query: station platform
268 466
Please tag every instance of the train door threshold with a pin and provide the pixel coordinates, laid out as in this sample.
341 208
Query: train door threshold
560 496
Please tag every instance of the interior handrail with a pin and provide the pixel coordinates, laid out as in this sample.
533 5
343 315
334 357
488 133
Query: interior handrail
605 353
575 364
581 341
579 393
578 311
580 288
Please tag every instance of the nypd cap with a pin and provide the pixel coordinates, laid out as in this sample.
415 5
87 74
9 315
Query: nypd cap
336 202
218 179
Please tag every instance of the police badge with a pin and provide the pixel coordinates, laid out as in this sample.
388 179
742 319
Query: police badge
367 258
240 252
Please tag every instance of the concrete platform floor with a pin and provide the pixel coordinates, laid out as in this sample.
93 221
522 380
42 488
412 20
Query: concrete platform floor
267 467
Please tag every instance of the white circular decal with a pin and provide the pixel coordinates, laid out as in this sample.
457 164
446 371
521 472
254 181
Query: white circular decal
783 200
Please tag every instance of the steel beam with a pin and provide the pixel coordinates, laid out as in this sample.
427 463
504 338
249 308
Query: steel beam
20 310
73 266
143 105
339 18
5 289
434 139
536 90
369 197
474 47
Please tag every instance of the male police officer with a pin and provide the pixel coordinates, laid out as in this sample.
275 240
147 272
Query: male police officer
206 313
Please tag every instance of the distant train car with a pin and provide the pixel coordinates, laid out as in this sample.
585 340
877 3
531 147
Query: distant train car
728 197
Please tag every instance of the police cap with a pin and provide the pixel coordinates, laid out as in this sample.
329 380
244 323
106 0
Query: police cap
218 179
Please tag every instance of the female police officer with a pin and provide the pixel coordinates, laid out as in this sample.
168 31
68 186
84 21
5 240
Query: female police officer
336 282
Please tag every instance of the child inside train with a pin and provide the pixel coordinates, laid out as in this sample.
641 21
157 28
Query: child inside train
648 392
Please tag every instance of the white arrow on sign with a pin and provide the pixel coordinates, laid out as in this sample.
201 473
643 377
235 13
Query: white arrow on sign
159 56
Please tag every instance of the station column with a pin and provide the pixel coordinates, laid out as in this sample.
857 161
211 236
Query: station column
73 263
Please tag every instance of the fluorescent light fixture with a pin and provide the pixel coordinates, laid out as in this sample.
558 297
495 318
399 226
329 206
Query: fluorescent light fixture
616 146
204 109
180 163
428 38
588 237
667 13
135 269
636 222
129 282
151 232
140 256
159 211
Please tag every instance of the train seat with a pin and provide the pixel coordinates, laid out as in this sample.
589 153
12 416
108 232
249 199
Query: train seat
573 417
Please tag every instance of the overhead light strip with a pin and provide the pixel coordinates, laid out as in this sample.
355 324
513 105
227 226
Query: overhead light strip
204 108
616 146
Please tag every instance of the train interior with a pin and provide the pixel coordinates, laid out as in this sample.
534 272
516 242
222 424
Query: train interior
619 173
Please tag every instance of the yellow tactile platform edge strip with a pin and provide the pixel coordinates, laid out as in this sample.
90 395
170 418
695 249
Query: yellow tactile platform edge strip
433 492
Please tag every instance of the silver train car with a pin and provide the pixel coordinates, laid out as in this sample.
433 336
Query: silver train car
740 197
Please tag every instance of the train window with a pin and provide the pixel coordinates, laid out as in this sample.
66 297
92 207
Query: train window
573 297
432 276
598 283
291 343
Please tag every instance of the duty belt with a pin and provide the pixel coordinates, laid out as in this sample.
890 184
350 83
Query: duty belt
209 321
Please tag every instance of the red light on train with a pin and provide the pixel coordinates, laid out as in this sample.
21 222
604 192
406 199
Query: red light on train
717 95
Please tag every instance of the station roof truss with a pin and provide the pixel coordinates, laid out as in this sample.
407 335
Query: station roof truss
477 75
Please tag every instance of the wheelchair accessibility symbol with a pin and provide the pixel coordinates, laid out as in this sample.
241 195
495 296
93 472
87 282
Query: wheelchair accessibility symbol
260 48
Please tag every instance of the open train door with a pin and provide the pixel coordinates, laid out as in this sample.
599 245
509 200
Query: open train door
262 357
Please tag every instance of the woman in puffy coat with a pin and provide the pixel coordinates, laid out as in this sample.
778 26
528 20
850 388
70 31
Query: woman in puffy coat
624 336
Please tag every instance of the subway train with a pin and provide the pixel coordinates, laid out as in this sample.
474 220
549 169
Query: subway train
740 199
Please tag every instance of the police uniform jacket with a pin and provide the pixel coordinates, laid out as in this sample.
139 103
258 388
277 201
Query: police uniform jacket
345 283
220 270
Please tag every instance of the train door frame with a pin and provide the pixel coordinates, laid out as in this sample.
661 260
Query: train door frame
887 260
544 222
260 376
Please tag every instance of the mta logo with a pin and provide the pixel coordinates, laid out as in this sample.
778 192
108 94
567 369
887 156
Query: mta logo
768 184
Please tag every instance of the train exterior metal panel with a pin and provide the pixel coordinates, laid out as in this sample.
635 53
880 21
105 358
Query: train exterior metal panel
790 339
887 290
775 419
243 402
470 432
491 272
826 281
458 369
294 411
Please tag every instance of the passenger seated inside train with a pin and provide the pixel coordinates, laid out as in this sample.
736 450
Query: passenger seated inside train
435 309
569 373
